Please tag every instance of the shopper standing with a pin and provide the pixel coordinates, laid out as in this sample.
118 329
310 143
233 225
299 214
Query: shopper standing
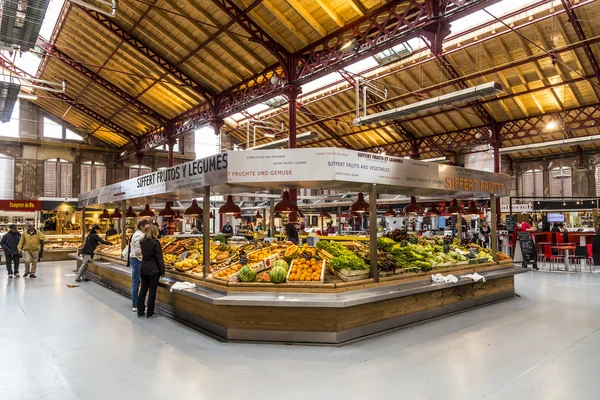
152 268
111 231
135 260
291 233
10 244
227 228
30 244
484 232
91 242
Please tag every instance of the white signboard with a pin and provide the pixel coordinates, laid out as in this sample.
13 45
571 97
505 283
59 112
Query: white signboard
517 208
293 167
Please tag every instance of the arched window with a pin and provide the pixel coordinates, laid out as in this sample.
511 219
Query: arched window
58 178
533 183
93 175
7 183
138 170
561 184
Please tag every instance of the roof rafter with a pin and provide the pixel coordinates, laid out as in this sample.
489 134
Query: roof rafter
307 16
121 32
8 65
82 69
331 12
285 21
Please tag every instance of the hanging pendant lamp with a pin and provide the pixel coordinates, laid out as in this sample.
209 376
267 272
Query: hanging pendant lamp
360 205
434 210
147 212
285 206
473 208
390 212
167 211
230 207
116 214
257 216
454 208
104 215
413 207
194 209
130 213
325 214
277 215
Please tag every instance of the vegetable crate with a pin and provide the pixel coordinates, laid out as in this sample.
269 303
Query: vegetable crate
349 275
321 278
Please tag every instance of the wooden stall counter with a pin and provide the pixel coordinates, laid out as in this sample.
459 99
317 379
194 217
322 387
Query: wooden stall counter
333 314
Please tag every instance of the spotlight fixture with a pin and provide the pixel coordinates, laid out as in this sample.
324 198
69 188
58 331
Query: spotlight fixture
230 207
413 207
360 205
147 212
350 44
461 96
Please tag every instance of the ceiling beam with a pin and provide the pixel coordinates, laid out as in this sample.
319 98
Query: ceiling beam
8 65
358 7
285 21
307 17
324 4
122 33
333 134
53 51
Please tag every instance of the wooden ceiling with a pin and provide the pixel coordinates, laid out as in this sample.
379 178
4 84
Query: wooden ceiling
216 54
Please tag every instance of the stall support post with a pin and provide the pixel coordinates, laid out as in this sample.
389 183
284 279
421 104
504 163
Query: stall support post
339 219
83 225
206 232
123 225
373 230
459 226
272 217
494 227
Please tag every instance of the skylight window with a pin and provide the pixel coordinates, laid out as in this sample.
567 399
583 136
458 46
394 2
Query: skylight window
396 53
276 101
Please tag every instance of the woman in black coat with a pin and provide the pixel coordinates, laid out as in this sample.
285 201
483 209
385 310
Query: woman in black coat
151 269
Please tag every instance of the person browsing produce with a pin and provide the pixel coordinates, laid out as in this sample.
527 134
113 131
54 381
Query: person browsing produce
30 245
135 260
91 242
111 231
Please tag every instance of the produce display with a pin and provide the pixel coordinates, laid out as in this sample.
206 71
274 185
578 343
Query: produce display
228 271
307 267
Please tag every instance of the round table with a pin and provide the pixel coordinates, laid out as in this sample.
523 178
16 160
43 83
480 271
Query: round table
566 250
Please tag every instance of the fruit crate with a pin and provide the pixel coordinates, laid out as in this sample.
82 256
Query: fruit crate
321 280
258 267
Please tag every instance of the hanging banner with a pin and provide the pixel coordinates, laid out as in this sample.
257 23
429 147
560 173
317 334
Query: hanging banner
20 205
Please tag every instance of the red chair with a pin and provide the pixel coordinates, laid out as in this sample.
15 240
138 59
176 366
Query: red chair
551 258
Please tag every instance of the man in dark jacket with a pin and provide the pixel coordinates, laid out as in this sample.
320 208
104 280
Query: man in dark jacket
91 242
10 244
111 230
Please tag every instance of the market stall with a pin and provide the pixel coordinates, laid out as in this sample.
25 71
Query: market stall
334 291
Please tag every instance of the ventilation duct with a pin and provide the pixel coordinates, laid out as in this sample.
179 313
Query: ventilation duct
20 22
9 91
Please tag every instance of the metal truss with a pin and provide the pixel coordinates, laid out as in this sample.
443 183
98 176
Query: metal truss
8 65
587 49
333 134
114 89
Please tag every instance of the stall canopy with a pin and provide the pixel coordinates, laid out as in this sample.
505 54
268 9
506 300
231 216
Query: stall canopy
320 168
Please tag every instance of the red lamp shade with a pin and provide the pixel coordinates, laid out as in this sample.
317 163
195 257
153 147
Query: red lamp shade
230 207
178 216
257 216
413 207
454 208
360 205
104 215
130 213
293 217
211 215
390 212
147 212
473 208
194 209
116 214
167 211
325 214
434 210
285 206
277 215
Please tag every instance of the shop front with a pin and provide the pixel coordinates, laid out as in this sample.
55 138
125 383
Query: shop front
329 292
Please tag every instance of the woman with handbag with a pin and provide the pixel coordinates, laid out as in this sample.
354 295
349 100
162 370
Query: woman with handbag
134 255
151 269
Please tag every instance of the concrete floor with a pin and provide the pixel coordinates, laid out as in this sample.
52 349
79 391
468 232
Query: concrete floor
85 343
